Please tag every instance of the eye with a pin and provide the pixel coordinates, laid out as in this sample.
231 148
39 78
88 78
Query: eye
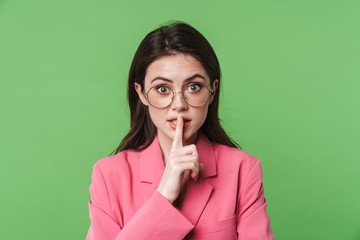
162 89
194 87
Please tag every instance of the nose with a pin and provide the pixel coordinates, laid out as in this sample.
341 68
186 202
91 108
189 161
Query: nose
179 103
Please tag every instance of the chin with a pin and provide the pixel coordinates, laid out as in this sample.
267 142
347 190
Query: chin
191 136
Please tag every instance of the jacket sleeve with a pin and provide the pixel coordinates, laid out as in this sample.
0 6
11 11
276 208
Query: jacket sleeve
156 219
253 221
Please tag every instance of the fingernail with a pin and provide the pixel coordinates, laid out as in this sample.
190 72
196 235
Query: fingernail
178 116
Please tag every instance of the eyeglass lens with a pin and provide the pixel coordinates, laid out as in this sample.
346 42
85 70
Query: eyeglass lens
162 96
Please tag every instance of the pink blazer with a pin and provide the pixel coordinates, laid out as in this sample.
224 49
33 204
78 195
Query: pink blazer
225 203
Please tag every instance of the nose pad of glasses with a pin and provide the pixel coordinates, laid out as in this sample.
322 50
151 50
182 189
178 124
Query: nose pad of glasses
179 100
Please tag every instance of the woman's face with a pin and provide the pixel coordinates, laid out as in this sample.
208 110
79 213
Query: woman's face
179 72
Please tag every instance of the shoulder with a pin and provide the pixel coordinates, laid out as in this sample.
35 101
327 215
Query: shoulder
234 155
237 161
119 163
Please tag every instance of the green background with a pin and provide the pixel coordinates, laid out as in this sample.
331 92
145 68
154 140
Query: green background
290 96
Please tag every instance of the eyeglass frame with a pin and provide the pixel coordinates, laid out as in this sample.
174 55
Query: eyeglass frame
173 95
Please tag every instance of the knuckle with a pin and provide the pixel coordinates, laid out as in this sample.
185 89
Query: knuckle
194 158
193 165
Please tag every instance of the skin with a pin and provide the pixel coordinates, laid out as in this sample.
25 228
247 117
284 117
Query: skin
177 145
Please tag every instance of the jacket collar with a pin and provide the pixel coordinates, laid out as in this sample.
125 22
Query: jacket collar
152 163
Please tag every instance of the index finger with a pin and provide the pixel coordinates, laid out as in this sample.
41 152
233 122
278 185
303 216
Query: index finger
178 137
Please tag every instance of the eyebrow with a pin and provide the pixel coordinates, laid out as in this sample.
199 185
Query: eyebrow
188 79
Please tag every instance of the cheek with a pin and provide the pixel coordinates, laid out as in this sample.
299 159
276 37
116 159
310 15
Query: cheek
156 115
201 115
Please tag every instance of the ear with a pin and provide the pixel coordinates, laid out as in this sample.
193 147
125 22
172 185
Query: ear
140 93
214 86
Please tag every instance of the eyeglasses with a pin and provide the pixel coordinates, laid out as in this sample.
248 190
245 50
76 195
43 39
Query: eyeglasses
161 96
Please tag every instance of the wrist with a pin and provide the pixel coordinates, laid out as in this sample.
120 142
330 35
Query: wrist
164 195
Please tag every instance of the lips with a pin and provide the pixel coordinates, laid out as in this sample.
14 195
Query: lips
175 121
172 122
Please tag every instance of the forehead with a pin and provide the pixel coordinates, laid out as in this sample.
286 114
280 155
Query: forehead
176 68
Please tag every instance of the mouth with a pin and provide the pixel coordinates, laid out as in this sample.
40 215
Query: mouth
172 123
175 121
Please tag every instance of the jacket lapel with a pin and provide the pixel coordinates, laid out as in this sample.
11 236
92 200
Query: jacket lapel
197 192
151 167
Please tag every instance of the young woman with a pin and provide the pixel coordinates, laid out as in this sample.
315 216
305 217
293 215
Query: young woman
176 174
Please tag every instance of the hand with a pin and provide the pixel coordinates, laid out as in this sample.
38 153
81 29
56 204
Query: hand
182 160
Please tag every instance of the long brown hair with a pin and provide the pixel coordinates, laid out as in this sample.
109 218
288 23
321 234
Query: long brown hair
177 37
